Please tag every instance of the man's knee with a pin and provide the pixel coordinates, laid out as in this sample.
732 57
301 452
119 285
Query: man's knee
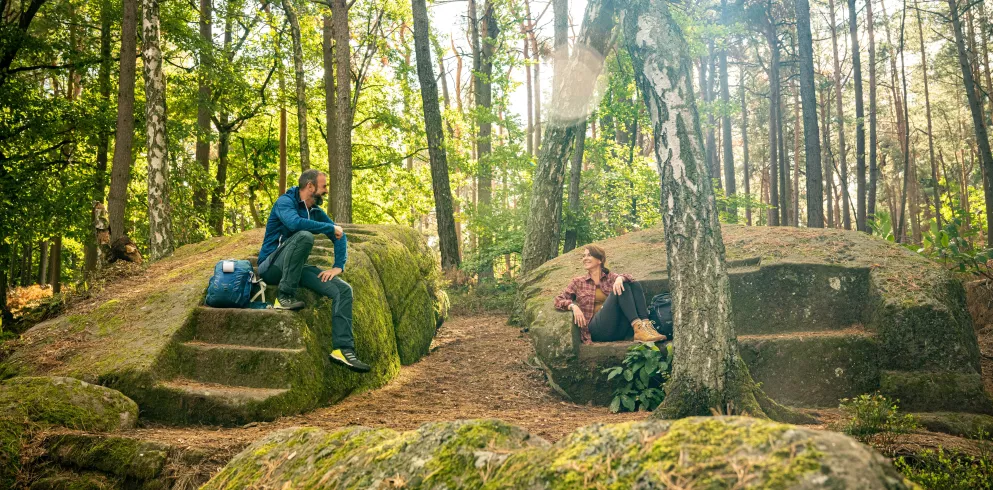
304 236
345 290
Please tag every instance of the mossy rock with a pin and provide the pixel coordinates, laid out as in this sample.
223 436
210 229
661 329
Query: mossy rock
119 456
706 452
861 305
67 480
969 425
31 403
183 363
67 402
936 391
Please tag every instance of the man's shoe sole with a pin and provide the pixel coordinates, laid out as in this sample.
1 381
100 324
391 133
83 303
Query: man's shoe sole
344 362
290 308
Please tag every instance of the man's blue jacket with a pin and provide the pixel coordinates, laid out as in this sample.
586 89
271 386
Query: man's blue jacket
290 215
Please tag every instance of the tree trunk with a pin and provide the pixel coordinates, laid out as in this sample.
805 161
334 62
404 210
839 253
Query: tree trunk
784 168
774 100
526 26
6 317
560 137
712 160
55 266
907 171
536 66
90 261
281 95
340 191
159 223
860 202
440 184
301 83
203 101
828 162
217 196
330 101
120 173
26 264
842 151
730 188
42 263
712 374
982 138
575 174
795 201
483 87
936 189
744 144
873 170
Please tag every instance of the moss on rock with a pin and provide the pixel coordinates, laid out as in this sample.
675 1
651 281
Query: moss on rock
705 452
67 402
936 391
120 456
969 425
793 291
76 481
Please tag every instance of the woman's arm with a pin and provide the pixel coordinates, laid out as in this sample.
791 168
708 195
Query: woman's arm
613 277
562 301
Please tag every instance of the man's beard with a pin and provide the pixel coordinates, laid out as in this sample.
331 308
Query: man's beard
318 199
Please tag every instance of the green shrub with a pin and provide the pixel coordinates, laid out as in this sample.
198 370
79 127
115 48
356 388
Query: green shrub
645 370
940 470
872 419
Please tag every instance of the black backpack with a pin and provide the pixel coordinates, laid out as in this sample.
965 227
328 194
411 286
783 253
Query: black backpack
660 313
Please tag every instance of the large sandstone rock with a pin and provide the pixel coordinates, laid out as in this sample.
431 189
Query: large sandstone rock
820 315
185 363
31 403
732 452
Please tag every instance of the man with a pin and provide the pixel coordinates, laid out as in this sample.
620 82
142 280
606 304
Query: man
289 237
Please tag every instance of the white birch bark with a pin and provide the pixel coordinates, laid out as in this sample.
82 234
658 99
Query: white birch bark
160 230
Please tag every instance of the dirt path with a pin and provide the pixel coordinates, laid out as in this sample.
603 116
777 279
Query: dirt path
477 368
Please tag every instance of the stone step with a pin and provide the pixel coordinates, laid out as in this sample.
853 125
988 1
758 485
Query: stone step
260 328
187 401
813 368
240 365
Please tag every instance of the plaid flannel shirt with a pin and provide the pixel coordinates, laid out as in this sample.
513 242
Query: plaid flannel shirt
582 291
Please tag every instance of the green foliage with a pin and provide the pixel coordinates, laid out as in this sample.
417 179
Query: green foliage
872 419
488 297
957 246
640 380
941 470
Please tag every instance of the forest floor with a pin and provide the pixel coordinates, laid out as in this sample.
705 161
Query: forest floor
479 367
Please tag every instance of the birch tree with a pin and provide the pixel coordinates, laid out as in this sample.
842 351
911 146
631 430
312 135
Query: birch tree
159 227
711 373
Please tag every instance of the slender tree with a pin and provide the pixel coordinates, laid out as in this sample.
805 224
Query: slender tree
340 179
982 137
159 222
301 84
204 74
936 189
873 170
860 202
842 149
744 145
120 174
484 39
729 184
103 138
441 186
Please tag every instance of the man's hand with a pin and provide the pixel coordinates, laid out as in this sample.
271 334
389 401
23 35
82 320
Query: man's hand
329 274
619 285
338 233
578 316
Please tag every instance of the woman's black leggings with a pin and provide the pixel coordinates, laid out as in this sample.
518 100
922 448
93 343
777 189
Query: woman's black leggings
613 321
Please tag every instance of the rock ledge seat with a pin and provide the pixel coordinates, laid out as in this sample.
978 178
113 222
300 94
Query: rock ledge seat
151 338
820 315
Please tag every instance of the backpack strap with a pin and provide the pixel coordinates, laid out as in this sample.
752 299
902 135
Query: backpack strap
261 283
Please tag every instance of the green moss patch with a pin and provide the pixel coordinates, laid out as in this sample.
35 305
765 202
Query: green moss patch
120 456
704 452
67 402
936 391
969 425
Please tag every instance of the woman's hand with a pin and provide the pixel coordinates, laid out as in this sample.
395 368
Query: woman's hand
619 285
578 316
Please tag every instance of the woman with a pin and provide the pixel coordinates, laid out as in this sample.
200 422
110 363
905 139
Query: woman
606 306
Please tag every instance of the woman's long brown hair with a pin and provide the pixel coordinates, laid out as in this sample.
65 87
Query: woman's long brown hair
600 254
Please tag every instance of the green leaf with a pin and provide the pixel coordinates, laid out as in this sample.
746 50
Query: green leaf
615 404
628 375
628 403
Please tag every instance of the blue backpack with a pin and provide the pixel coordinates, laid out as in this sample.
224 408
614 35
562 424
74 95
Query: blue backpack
231 286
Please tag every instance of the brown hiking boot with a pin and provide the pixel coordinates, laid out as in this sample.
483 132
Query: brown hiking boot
645 332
